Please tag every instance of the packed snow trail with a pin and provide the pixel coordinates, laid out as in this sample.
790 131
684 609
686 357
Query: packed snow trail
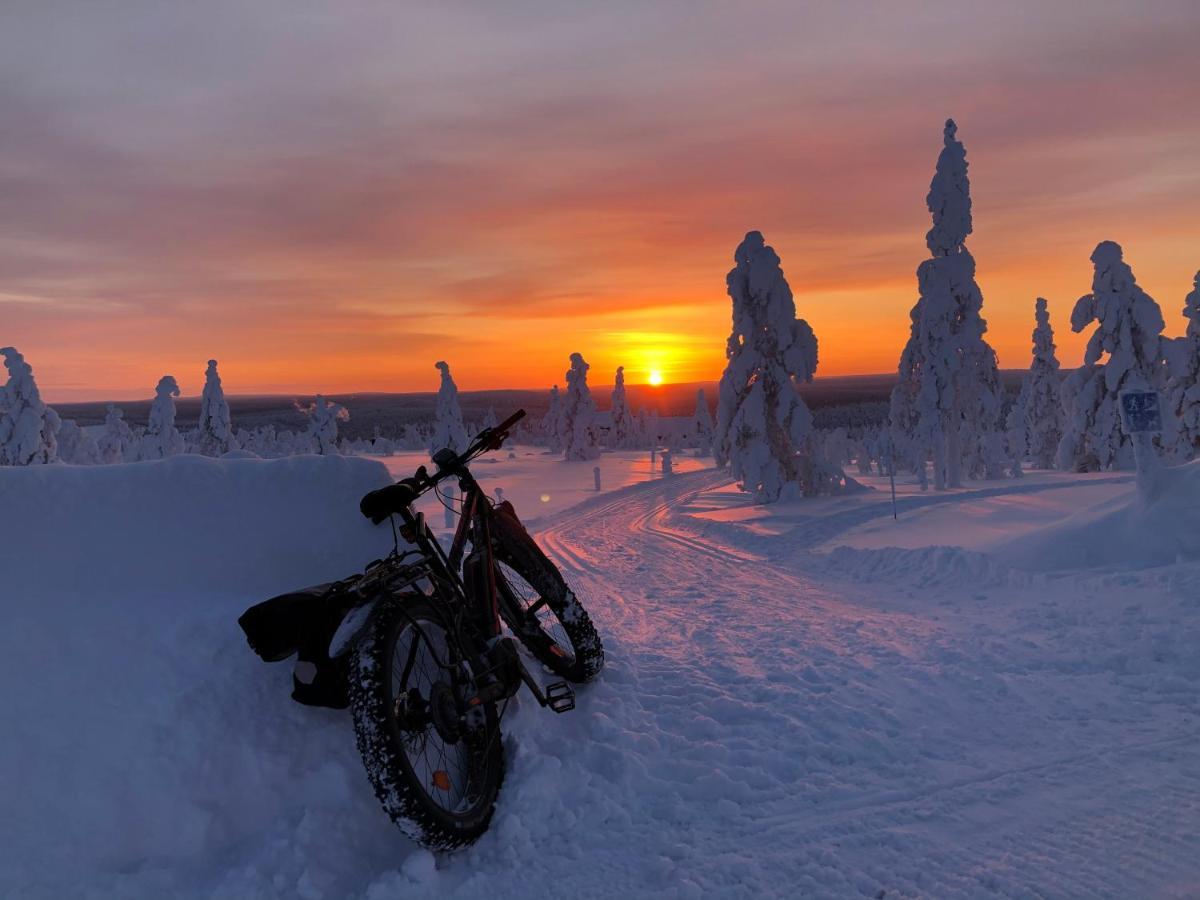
762 728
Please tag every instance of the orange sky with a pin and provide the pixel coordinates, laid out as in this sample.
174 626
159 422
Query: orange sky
331 201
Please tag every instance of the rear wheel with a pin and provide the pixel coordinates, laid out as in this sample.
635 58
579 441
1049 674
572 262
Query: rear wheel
436 778
541 609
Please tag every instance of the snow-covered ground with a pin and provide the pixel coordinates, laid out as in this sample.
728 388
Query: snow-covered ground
815 700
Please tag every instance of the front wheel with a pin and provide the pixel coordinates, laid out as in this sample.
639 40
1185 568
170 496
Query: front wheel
437 779
539 606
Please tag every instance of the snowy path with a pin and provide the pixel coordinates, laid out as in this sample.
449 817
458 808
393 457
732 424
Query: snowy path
818 740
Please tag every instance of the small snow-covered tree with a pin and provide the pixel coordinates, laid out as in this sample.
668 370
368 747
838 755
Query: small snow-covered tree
323 417
1038 409
449 430
702 424
216 429
1129 328
947 403
162 438
764 431
577 424
116 441
1181 419
76 446
489 419
28 427
619 434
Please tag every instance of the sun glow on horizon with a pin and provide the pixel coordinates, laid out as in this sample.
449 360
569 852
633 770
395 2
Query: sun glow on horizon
655 378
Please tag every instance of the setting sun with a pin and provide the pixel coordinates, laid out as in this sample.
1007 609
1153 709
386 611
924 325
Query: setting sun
656 377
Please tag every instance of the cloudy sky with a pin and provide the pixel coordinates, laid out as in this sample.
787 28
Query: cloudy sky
332 196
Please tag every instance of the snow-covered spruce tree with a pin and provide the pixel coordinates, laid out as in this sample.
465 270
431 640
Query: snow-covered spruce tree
764 431
323 417
622 424
28 427
162 438
702 424
1182 399
1129 329
577 423
216 429
449 430
1039 403
489 419
116 441
549 426
948 401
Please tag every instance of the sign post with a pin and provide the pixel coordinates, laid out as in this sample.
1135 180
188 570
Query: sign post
1141 419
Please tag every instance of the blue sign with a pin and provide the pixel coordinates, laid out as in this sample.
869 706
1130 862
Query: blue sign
1140 412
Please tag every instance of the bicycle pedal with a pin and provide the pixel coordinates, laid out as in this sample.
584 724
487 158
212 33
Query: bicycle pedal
560 697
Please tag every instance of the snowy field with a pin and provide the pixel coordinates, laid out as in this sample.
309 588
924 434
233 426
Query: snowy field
813 700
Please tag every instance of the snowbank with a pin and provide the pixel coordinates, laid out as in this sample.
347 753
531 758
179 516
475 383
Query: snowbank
142 738
1125 532
188 522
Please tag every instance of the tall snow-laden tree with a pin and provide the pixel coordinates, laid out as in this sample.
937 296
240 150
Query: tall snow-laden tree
448 430
1129 328
622 424
702 423
162 438
577 423
216 428
28 427
323 417
551 432
116 441
764 431
1039 405
948 401
1181 419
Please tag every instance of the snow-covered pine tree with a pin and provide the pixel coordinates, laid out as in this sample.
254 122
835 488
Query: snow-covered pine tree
1182 412
948 401
216 429
577 424
619 434
116 441
1129 329
323 417
1039 403
489 419
449 430
702 424
28 427
764 431
162 438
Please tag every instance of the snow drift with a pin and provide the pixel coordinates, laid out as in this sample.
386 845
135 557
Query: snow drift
141 735
1127 532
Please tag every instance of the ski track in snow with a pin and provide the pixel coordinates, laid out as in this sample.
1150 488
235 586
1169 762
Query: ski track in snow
763 728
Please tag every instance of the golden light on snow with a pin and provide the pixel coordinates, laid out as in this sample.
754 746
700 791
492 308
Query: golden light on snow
656 377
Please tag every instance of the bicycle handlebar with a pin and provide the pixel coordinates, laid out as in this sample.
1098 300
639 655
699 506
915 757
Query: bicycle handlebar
379 504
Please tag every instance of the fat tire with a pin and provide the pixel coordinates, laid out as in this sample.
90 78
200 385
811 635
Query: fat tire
516 549
377 734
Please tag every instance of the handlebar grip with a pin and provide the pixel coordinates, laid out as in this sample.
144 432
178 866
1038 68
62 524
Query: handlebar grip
510 421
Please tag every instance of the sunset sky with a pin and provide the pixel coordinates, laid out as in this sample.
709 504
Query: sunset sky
333 196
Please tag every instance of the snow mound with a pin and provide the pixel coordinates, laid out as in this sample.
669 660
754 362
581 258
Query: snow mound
921 567
1124 533
142 737
185 523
